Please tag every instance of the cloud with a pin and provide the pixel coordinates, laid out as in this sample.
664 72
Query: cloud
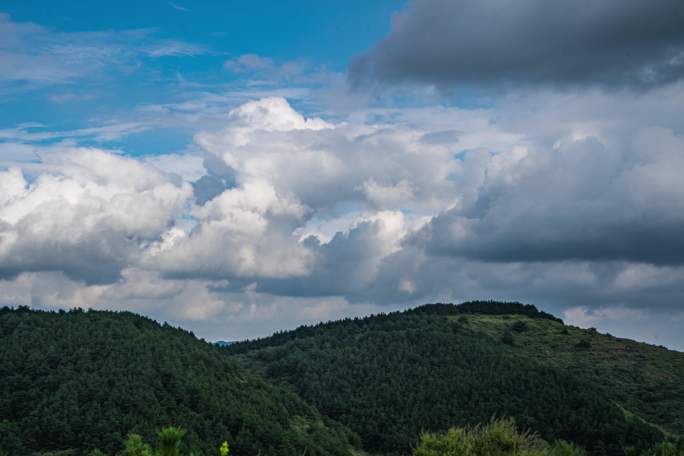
188 166
178 7
38 133
641 325
325 165
87 214
38 56
560 199
613 43
196 304
275 177
249 62
346 264
241 233
584 199
144 291
264 71
389 195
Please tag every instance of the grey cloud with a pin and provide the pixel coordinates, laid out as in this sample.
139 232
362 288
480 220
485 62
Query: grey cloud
581 201
609 43
207 187
554 285
345 266
95 257
441 137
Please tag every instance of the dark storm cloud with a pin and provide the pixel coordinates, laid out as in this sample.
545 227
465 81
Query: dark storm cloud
582 201
608 42
659 243
91 259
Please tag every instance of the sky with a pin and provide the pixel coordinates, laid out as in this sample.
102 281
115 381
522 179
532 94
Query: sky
238 168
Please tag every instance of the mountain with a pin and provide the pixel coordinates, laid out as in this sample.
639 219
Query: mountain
392 376
74 381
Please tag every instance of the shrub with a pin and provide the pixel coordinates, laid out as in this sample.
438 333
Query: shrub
583 344
665 449
507 338
519 326
498 438
563 448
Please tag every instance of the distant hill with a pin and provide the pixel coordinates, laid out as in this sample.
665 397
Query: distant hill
389 377
74 381
224 343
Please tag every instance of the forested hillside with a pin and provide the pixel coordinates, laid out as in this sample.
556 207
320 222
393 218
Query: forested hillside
75 381
390 377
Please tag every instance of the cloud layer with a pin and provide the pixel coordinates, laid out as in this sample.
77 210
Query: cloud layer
89 219
581 200
385 209
472 42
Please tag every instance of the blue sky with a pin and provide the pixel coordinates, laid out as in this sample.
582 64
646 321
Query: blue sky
319 34
326 32
243 167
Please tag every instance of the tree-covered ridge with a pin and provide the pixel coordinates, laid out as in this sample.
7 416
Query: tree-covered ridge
75 381
470 307
390 377
484 308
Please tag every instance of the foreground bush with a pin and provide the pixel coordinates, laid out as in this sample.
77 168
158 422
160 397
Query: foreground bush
666 449
498 438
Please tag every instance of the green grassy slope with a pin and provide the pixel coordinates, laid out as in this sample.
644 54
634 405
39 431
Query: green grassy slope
83 380
389 377
645 380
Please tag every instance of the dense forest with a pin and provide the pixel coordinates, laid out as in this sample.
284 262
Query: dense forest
437 380
75 381
389 377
